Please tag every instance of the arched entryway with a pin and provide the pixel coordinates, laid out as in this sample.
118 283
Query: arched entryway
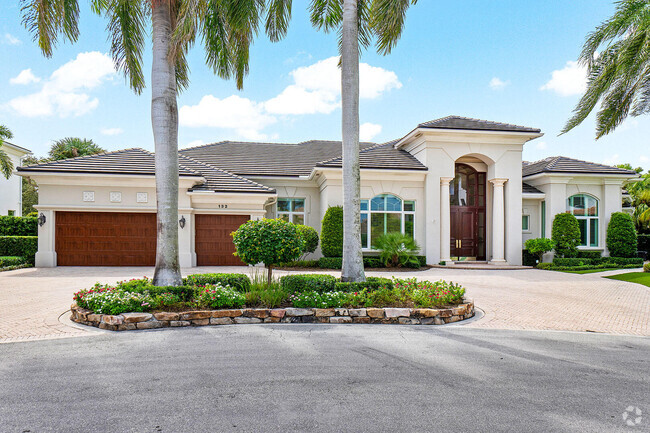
467 198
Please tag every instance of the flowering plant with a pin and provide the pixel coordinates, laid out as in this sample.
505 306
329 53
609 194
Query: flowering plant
218 296
109 300
319 300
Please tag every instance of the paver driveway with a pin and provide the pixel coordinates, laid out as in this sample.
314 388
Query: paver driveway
31 300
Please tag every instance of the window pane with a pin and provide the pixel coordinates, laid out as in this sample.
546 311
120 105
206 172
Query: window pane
393 222
409 206
593 232
377 203
583 231
364 229
377 227
409 225
284 216
593 207
524 222
543 219
364 205
283 205
298 219
298 205
393 204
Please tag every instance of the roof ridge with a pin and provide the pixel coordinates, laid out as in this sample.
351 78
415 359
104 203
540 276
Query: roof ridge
216 143
374 146
226 172
94 155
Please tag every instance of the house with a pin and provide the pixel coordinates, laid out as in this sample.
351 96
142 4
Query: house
457 185
11 190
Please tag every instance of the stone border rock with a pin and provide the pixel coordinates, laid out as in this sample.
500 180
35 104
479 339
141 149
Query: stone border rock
402 316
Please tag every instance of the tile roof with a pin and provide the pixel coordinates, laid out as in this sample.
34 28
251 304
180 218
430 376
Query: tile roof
459 122
529 189
562 164
127 161
217 180
381 156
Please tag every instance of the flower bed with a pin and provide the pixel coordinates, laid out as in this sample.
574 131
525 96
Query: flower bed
137 304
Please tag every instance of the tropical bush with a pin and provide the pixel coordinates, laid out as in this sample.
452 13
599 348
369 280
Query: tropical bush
240 282
538 247
23 246
309 237
621 236
566 235
308 283
313 299
18 226
301 264
8 261
111 300
331 234
371 283
218 296
397 250
268 241
646 267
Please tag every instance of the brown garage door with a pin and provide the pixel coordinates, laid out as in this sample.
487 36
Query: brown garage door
105 239
213 243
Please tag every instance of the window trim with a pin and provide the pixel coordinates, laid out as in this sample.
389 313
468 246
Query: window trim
291 213
587 218
525 230
402 213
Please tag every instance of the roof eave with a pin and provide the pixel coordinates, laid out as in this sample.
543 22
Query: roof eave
419 129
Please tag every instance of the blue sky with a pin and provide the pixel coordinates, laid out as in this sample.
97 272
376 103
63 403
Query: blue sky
505 61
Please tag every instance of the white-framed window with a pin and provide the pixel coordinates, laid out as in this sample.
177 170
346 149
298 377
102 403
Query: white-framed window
386 213
292 210
585 208
525 223
11 213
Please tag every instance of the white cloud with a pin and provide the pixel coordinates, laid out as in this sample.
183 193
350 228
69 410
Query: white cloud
194 143
112 131
368 131
612 160
571 80
10 39
246 117
541 145
26 76
298 100
497 83
644 158
64 93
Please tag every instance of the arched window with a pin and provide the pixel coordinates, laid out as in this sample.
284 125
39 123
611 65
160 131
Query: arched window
385 213
585 208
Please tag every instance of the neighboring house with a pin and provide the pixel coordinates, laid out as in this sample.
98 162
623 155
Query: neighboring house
11 190
455 184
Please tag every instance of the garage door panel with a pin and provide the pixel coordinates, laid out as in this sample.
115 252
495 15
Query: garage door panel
105 239
213 242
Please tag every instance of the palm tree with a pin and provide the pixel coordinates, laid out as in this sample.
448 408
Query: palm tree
72 147
6 165
357 21
618 74
227 29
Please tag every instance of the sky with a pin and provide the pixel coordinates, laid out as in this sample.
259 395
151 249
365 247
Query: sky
505 61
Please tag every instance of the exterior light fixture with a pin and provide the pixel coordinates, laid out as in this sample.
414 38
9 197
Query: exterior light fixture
182 221
41 219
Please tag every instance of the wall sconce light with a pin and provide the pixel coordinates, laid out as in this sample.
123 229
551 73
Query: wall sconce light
41 219
182 221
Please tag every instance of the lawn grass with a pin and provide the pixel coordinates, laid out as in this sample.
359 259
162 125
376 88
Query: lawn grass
589 271
633 277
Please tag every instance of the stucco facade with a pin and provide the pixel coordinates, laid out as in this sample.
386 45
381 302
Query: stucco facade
11 189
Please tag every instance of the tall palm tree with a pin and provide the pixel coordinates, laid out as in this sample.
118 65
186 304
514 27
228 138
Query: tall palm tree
227 29
72 147
6 165
358 22
618 74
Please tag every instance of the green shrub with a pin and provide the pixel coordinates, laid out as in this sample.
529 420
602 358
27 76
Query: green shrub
621 236
7 261
313 299
646 267
300 264
331 234
218 296
307 283
309 237
268 241
24 246
539 246
397 250
566 235
240 282
18 226
572 261
589 254
371 283
331 263
624 261
111 300
527 259
544 265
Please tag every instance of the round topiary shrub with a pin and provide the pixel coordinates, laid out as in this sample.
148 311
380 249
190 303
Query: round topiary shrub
268 241
331 234
309 237
566 235
621 236
538 247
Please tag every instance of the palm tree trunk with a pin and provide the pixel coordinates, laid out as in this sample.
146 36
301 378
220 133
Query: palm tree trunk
164 119
352 255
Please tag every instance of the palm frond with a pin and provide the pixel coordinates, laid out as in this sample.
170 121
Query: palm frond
326 15
5 133
6 165
46 20
277 19
387 22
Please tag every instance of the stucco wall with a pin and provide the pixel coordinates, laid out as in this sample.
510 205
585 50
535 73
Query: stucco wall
11 189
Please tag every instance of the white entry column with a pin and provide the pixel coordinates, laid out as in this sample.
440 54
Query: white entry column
498 222
445 220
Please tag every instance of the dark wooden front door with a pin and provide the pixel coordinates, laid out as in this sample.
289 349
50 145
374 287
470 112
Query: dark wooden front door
212 241
105 239
467 200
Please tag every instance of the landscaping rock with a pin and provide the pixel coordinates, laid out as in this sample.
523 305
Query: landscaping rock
94 318
178 323
438 320
426 321
325 312
137 317
112 320
459 311
227 313
453 319
166 316
221 321
364 319
341 319
149 325
126 327
397 312
341 311
293 312
278 312
200 322
195 315
425 312
272 320
446 313
408 321
260 313
247 320
357 312
107 327
375 313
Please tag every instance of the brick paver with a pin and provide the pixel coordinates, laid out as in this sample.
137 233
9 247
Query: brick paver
32 300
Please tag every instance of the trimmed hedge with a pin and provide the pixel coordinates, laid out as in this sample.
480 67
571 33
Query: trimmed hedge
371 283
18 226
23 246
613 261
368 262
621 235
308 283
590 254
566 235
331 234
587 267
186 293
7 261
239 282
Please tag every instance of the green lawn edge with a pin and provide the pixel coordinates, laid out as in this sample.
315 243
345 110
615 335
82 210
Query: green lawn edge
633 277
